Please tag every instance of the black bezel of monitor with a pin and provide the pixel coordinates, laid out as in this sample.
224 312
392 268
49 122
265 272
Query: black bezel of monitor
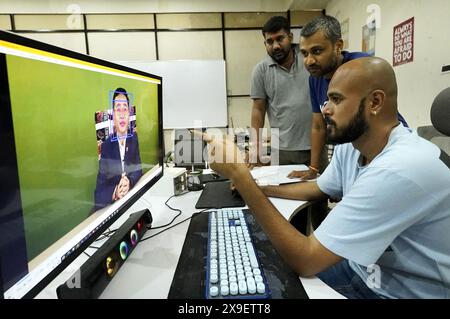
8 151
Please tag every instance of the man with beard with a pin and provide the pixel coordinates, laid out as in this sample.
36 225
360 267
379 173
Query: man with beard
280 89
321 46
388 237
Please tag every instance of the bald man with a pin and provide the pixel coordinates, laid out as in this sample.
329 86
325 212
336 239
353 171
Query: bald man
389 236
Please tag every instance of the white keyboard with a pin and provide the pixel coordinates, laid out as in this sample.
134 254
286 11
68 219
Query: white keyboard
233 268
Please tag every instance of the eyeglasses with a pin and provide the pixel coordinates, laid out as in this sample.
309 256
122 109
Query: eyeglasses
278 39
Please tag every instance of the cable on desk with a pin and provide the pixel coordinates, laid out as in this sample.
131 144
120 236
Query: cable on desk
162 231
171 208
105 235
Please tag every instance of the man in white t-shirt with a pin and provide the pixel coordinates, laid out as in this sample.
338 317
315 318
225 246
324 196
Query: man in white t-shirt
389 235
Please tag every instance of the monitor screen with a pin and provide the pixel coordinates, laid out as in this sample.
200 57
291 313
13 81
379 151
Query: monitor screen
189 149
80 141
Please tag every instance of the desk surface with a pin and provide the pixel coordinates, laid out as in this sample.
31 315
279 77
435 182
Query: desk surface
149 270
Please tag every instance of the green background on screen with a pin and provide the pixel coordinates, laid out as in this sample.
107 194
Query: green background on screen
53 108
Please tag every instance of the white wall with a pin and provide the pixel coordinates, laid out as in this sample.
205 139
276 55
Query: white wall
244 48
421 80
142 6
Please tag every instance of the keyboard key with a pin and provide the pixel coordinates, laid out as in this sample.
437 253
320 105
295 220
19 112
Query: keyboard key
224 290
214 291
251 285
260 288
242 287
252 255
213 278
233 288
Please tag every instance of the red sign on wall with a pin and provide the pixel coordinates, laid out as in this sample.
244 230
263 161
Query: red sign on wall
404 42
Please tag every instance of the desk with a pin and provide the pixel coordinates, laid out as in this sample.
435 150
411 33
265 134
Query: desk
149 270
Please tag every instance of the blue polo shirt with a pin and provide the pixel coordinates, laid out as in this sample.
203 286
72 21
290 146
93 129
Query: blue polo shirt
318 87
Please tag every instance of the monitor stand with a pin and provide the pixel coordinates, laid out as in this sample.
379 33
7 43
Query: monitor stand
195 171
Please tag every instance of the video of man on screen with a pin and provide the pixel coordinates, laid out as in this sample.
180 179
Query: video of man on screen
118 149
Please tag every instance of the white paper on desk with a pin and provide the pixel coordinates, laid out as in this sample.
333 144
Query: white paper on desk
276 175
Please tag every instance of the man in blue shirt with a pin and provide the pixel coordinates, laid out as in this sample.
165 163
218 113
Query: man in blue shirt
321 45
388 237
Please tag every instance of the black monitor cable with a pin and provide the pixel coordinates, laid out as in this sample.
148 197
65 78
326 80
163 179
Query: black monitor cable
106 234
179 212
109 232
180 222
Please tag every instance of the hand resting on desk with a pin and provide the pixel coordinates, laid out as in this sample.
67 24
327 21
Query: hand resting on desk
303 175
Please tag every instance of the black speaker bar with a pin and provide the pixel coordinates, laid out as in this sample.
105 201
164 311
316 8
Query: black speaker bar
96 273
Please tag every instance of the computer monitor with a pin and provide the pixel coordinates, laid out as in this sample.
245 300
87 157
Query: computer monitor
189 149
80 142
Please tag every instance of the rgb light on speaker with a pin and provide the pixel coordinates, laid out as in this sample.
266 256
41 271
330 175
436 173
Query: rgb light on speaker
123 248
111 266
134 237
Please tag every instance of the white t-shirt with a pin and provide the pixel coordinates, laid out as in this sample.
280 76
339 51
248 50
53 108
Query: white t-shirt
395 213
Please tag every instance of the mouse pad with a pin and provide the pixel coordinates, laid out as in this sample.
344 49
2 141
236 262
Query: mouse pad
190 275
218 195
206 178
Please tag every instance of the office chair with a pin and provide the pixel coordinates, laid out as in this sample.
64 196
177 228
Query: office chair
440 112
439 133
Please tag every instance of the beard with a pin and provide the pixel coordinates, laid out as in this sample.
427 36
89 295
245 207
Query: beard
318 71
357 127
280 55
